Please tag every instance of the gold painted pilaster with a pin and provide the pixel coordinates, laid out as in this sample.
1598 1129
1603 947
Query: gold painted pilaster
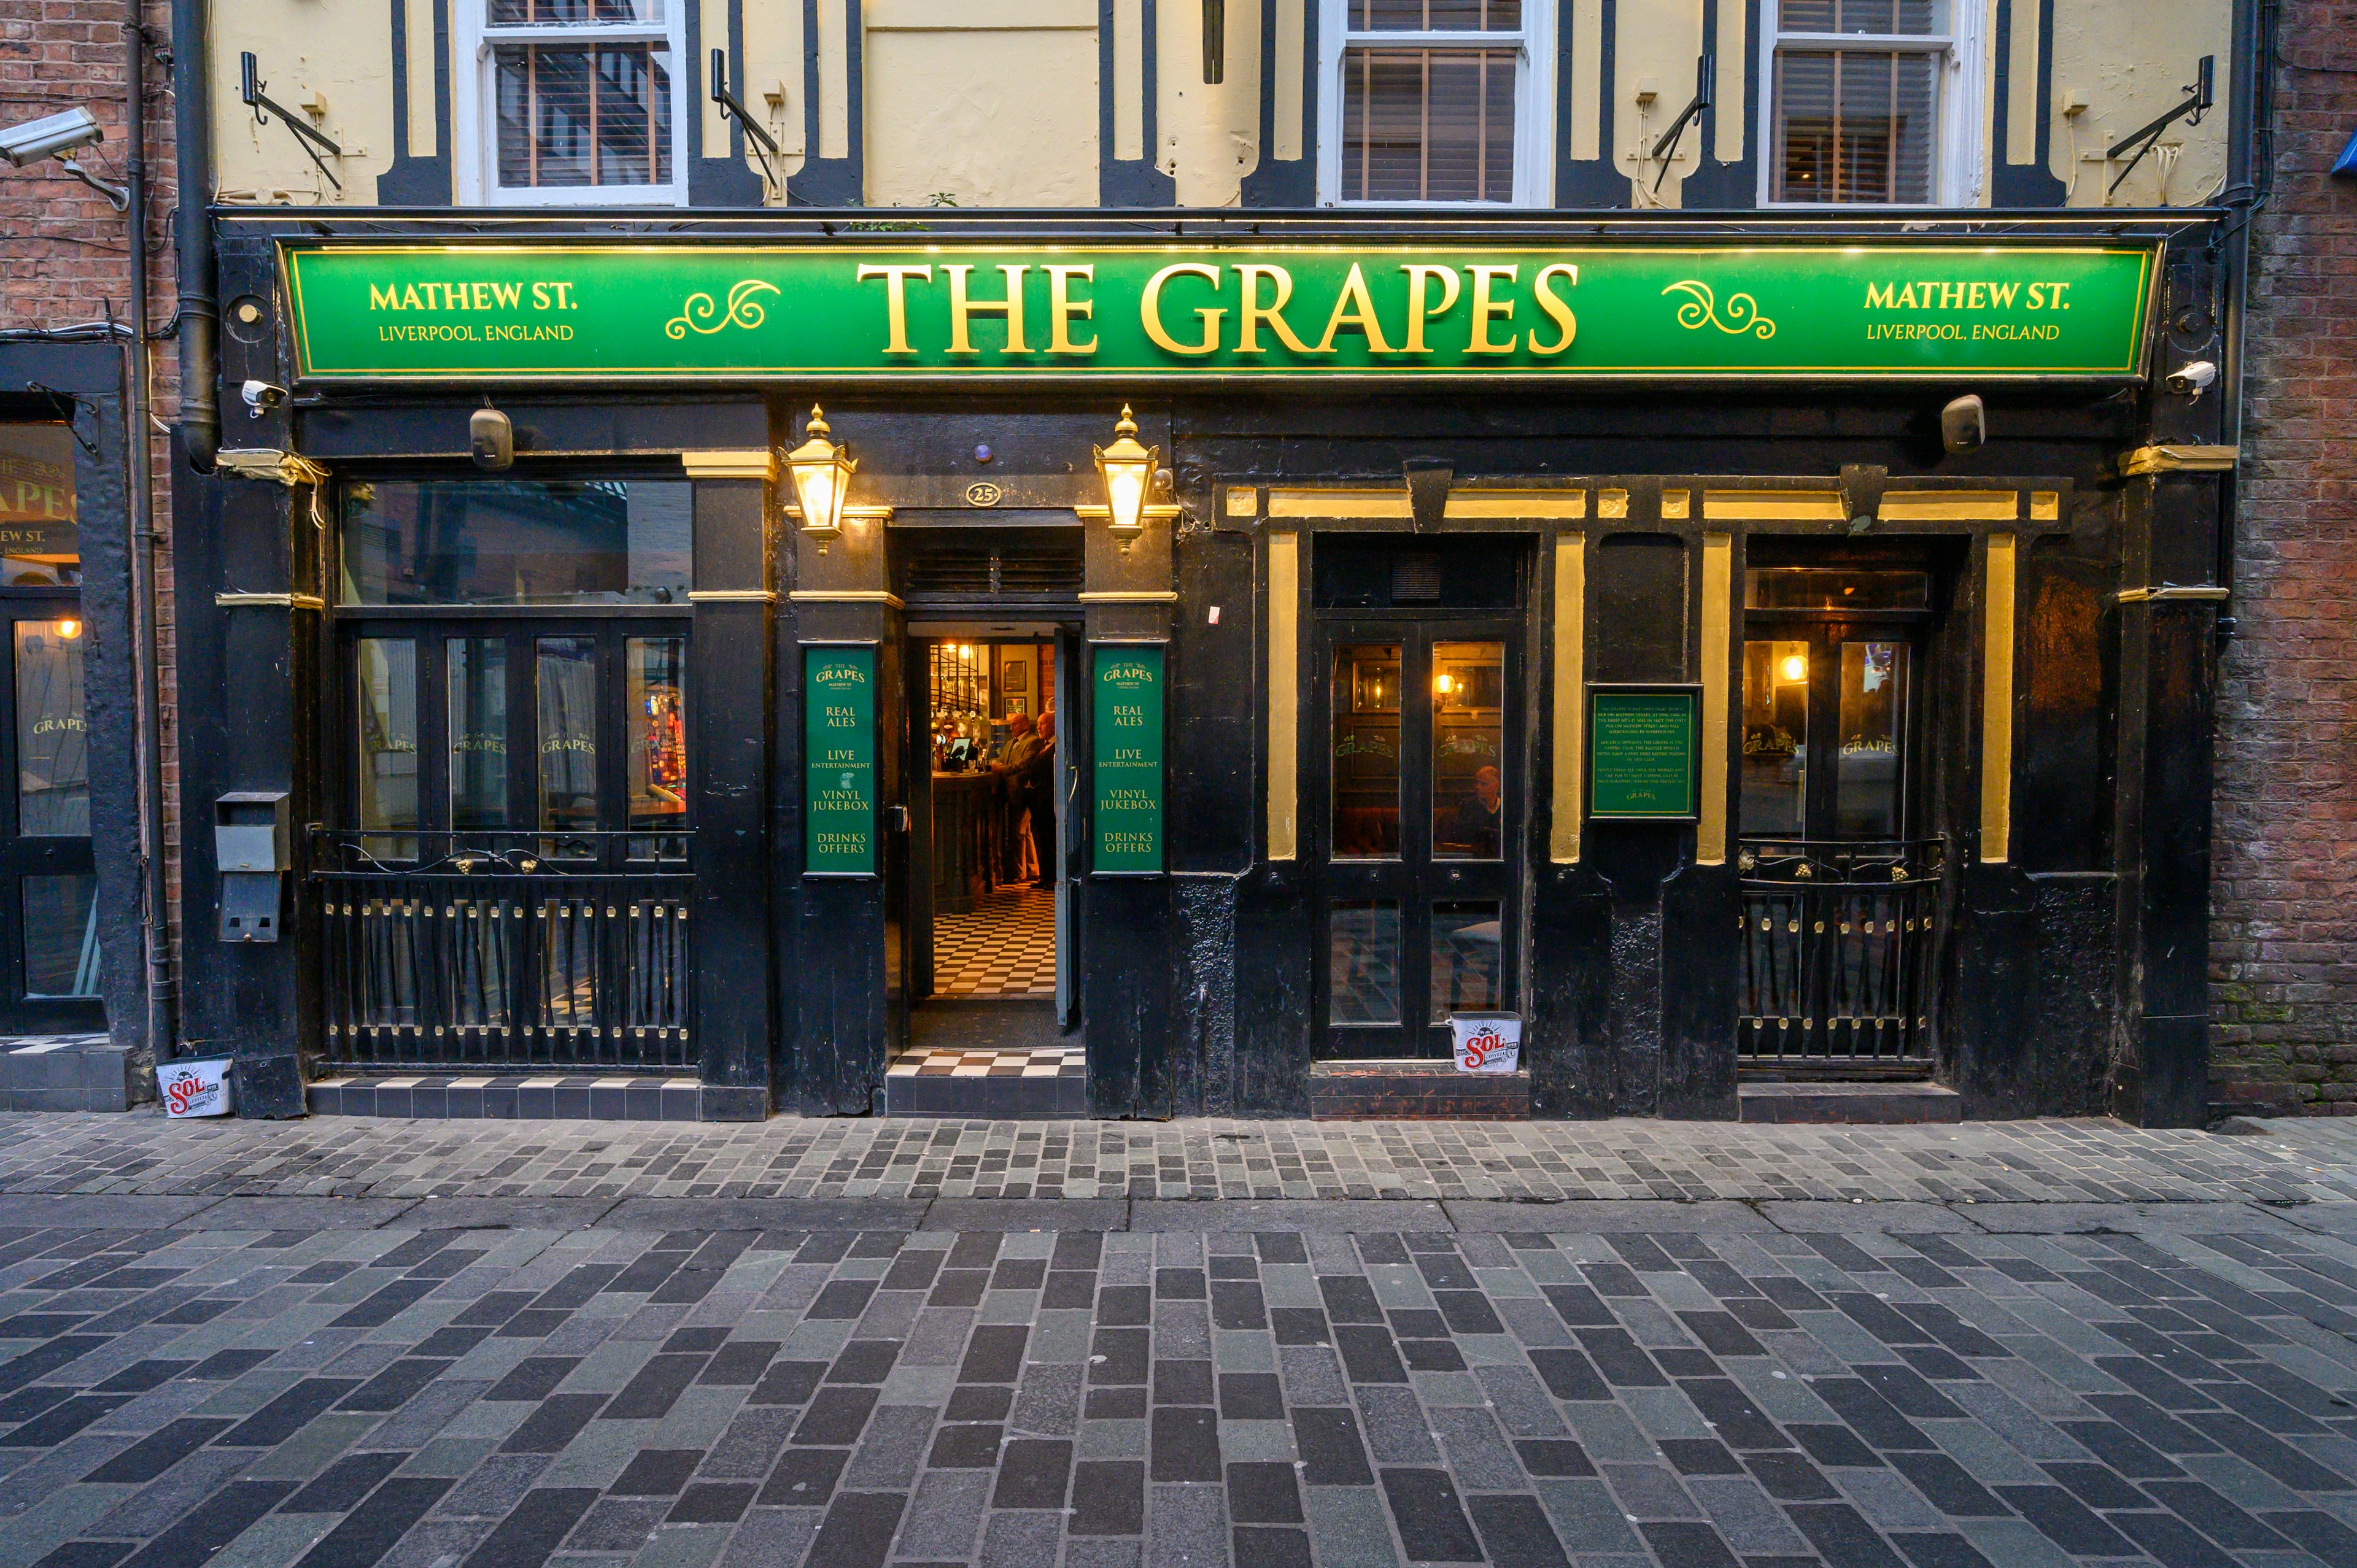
1570 687
1284 693
1997 704
1717 614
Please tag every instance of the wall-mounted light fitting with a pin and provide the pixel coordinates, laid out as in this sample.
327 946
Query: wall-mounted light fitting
822 473
1127 469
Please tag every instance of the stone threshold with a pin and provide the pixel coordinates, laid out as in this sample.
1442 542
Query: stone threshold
1869 1103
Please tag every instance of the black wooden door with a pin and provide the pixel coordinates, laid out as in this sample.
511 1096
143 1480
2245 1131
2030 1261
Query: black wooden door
1842 892
47 889
1416 797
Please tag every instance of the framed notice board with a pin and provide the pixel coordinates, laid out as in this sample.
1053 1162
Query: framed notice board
1126 726
839 761
1644 752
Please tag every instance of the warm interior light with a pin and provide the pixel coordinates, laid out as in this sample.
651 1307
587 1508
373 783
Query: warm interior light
1796 667
1442 686
1127 468
69 629
822 473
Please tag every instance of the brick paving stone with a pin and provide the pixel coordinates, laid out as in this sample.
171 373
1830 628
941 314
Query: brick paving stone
1888 1395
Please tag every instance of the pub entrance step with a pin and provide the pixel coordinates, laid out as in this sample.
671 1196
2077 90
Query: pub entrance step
989 1059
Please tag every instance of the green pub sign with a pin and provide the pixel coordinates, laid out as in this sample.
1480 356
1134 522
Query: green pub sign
1127 721
839 761
1645 759
1418 308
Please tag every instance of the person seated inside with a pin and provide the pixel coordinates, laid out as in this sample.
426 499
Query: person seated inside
1474 828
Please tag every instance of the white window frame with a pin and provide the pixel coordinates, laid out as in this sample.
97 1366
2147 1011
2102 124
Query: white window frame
475 118
1959 172
1535 66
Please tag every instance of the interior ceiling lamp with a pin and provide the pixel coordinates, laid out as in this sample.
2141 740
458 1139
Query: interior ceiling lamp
1128 472
822 472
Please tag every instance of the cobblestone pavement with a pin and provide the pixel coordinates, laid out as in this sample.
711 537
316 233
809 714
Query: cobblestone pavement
2055 1160
1880 1397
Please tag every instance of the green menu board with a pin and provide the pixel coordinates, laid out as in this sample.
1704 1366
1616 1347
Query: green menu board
1128 733
1643 756
839 761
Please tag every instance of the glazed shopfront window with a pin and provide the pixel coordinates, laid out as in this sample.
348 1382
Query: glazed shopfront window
516 542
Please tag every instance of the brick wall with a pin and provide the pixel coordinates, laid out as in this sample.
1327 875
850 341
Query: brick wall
69 252
2284 953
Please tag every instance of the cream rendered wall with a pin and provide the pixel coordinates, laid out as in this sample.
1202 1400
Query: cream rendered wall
1660 41
992 105
1210 137
340 50
2131 61
767 78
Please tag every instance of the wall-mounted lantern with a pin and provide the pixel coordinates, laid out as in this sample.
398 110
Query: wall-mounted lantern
1127 469
822 472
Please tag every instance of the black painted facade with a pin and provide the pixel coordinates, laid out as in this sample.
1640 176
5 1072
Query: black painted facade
2073 980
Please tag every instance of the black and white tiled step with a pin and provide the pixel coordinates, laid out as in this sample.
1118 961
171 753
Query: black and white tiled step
995 1081
539 1096
70 1072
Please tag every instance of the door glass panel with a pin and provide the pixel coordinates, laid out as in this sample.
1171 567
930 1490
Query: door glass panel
60 936
39 547
52 734
1363 938
1867 798
1468 737
1775 737
1466 938
478 733
386 694
1367 755
568 734
656 670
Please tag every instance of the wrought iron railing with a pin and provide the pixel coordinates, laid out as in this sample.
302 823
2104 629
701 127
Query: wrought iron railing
507 951
1841 945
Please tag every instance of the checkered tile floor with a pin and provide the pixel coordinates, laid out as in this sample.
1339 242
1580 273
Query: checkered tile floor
1006 947
989 1062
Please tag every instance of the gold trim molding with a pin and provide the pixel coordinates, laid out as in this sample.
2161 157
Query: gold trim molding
270 601
2173 593
850 514
1154 511
1353 504
731 597
1996 703
1284 691
1141 596
2179 460
1717 659
1570 678
268 463
1949 505
755 464
845 597
1774 506
1514 505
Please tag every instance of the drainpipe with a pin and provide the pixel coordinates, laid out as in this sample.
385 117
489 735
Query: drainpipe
2250 181
146 663
192 235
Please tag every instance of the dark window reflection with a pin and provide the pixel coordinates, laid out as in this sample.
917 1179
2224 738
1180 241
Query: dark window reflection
1366 761
516 542
1469 736
1775 737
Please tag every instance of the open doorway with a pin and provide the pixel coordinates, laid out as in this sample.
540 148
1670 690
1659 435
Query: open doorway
992 771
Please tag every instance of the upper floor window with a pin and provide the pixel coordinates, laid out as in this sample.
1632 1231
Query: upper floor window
1869 103
573 102
1439 103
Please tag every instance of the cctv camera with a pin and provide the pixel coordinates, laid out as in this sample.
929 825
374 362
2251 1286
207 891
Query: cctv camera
49 136
260 397
2192 379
